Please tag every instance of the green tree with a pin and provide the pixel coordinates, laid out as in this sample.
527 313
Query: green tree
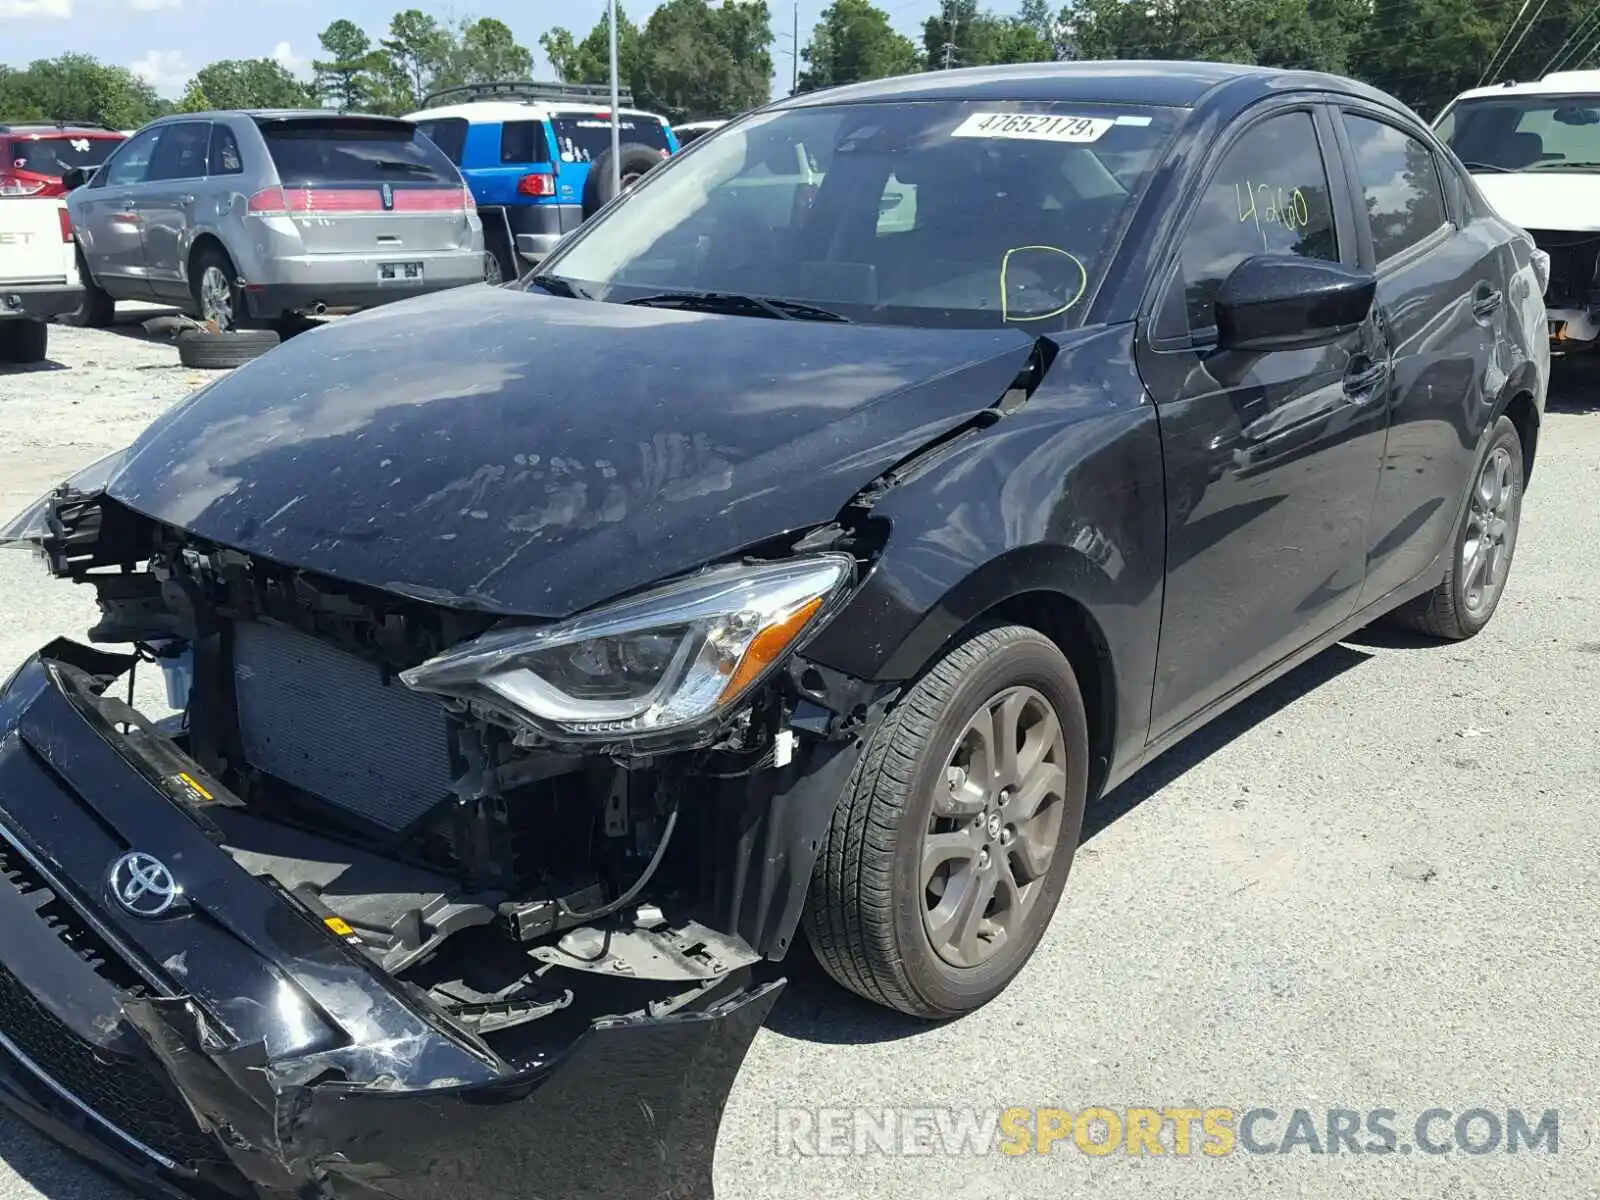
589 61
697 61
348 75
251 83
962 35
854 41
489 52
77 87
421 53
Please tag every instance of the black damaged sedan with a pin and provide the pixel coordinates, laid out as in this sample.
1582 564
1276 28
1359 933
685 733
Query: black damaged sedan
885 477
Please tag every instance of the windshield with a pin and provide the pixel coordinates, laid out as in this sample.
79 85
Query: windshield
1525 133
58 155
584 137
922 213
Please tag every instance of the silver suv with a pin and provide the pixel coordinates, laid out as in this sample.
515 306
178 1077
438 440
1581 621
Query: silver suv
250 217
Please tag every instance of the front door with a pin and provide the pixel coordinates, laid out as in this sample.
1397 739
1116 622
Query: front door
106 217
166 203
1271 458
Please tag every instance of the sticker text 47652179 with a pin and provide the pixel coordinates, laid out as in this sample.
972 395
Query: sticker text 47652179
1040 127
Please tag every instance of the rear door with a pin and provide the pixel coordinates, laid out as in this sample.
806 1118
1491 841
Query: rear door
166 204
106 217
368 187
1441 297
31 242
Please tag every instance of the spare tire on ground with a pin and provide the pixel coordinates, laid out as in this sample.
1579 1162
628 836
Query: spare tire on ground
207 351
600 190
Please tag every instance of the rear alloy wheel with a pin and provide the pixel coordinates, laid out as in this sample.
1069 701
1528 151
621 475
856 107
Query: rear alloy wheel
1485 541
951 846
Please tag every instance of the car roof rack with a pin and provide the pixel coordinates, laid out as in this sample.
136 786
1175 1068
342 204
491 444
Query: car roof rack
527 89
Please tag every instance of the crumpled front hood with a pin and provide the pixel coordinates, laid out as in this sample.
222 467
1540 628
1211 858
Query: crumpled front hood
520 453
1544 199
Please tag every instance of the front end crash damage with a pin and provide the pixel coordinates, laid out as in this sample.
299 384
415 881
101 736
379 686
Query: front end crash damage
542 974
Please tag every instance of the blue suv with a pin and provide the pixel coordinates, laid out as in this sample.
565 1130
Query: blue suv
537 157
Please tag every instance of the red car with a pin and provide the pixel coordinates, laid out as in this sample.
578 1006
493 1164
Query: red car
34 156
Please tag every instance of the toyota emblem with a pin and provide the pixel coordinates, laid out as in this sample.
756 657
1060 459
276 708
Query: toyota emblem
143 885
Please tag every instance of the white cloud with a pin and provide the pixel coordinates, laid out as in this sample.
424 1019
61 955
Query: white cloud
283 54
41 10
153 5
164 70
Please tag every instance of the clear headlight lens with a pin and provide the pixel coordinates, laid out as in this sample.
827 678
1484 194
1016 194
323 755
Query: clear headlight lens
664 660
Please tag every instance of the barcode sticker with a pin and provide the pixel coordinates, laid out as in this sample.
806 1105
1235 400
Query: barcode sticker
1039 127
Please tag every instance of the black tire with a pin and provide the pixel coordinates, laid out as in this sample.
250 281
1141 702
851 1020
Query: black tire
498 254
23 340
223 351
864 915
97 309
1448 612
599 189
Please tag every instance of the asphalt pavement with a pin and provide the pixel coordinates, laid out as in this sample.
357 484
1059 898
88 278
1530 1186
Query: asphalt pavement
1372 887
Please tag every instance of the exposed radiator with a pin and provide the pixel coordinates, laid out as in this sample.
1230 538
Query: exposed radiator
325 722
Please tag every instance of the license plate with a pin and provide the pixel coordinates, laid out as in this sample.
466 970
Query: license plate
399 272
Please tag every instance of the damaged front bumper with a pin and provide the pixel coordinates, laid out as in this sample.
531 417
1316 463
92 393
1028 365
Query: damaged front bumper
232 1045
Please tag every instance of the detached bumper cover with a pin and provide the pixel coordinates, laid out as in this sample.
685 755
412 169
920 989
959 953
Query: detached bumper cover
233 1044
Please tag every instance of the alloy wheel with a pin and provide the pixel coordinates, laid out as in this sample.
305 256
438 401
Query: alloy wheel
995 827
1491 532
492 274
216 298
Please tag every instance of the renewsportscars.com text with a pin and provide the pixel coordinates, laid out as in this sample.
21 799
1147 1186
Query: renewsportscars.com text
1177 1130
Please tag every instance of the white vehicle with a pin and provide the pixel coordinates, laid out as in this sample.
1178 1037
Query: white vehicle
38 274
1534 151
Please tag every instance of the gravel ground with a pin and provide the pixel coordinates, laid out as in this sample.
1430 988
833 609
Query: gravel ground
1369 887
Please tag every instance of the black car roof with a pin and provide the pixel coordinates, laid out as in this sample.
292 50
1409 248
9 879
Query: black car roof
1131 81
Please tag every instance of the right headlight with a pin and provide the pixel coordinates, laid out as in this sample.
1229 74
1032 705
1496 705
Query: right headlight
664 661
30 526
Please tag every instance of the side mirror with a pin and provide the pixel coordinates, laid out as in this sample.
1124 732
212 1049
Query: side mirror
1285 302
74 178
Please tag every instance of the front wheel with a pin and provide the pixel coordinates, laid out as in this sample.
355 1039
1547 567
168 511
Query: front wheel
950 848
1485 540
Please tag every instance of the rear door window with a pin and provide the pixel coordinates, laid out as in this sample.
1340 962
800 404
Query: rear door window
1405 199
584 137
447 133
182 152
225 157
523 142
354 150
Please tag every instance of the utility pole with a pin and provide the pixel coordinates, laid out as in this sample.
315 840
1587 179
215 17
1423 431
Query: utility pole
616 99
794 79
949 53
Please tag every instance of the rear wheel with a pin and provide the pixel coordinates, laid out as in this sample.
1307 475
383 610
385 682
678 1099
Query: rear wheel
951 846
97 309
600 189
23 340
1485 541
218 297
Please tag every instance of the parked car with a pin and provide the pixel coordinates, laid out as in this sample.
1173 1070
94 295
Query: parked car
1534 151
692 131
538 157
516 731
246 218
35 155
37 277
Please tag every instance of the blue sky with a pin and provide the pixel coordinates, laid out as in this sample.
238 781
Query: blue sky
165 41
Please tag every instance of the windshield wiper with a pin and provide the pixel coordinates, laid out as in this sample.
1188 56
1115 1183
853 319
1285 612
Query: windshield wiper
558 286
400 164
733 302
1483 166
1551 166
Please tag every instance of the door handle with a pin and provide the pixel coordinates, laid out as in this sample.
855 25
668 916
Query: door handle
186 200
1485 299
1361 383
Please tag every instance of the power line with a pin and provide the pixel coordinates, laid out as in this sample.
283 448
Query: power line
1526 30
1580 31
1503 40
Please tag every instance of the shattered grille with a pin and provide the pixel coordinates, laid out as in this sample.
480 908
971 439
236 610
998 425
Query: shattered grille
328 723
131 1094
